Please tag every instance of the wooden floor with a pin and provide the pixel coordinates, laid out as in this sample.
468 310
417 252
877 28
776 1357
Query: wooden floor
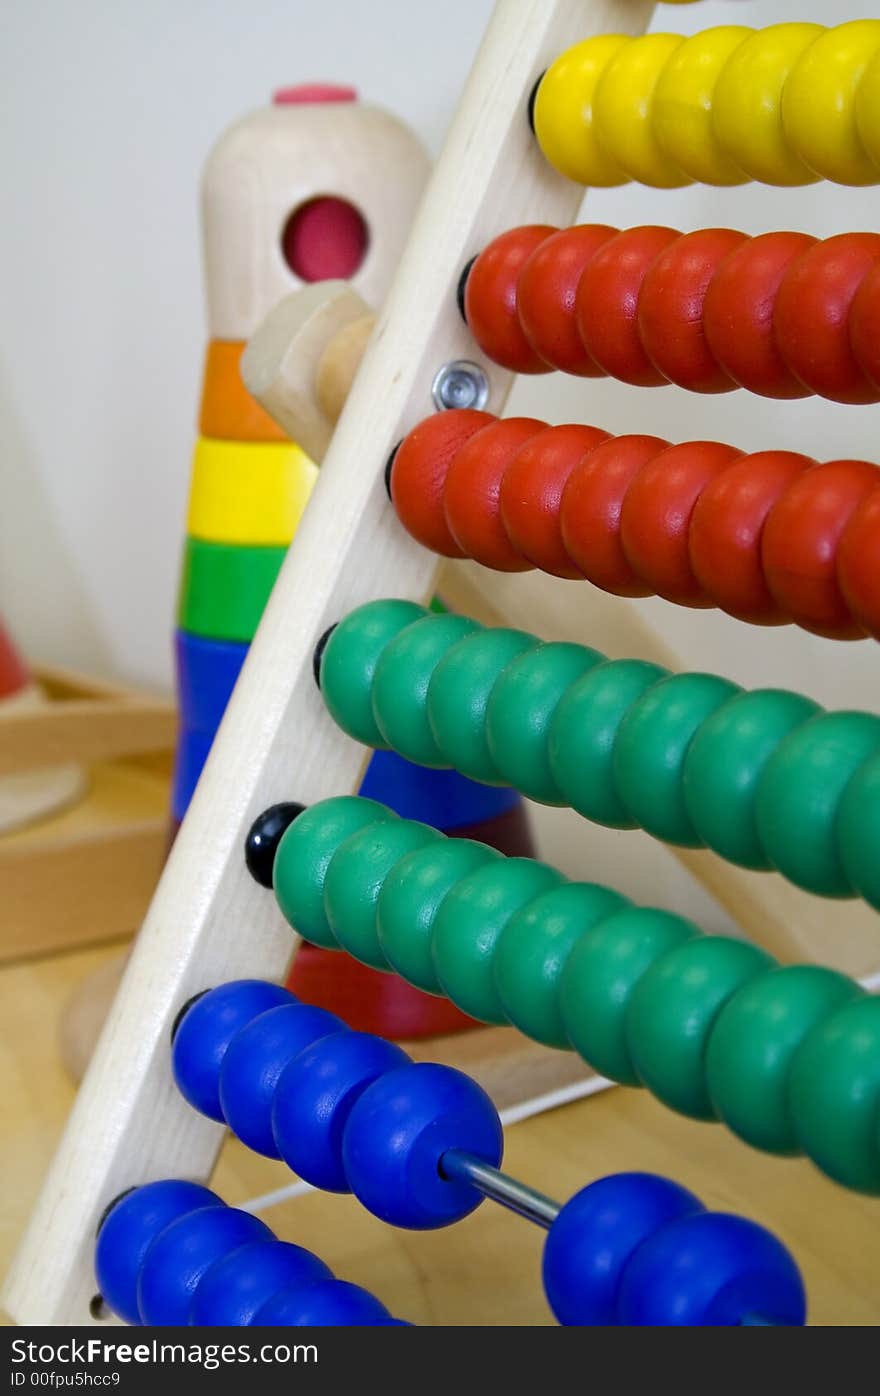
486 1270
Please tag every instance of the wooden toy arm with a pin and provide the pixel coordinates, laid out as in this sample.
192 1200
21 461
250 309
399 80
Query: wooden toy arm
301 362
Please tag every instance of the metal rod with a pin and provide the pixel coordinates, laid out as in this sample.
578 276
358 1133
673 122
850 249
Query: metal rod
460 1166
457 1165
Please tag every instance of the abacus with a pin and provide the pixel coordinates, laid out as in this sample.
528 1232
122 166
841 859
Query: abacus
713 1026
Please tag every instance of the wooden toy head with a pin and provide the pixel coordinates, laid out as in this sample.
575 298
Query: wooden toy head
315 186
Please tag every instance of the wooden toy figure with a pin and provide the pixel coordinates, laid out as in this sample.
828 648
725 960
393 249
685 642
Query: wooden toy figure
317 186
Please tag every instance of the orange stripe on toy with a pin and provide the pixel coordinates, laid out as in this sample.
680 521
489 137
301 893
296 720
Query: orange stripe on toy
228 411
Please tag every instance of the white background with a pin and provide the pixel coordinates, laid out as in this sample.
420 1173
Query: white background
109 108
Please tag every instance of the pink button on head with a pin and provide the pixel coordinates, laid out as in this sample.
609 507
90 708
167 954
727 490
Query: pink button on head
313 92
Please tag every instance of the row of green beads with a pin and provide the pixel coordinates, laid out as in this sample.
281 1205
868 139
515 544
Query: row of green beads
765 778
788 1058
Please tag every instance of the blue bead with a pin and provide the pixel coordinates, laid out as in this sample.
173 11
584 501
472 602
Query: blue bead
594 1236
397 1134
443 799
183 1253
711 1270
315 1096
327 1304
232 1291
254 1061
128 1231
206 1030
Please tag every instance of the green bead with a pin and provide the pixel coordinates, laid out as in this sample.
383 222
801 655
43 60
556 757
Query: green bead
469 924
224 587
672 1013
354 880
411 896
583 733
400 685
521 710
600 976
725 762
533 949
349 662
799 794
858 830
304 854
459 693
651 748
754 1043
835 1095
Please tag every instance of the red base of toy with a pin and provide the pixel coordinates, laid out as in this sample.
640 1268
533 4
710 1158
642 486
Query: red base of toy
369 1000
372 1001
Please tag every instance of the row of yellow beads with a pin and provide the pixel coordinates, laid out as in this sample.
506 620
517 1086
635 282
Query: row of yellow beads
786 105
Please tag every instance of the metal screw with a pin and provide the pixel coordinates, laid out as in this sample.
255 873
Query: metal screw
460 384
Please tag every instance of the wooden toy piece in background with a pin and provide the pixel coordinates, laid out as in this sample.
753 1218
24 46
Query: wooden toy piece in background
83 775
28 795
318 184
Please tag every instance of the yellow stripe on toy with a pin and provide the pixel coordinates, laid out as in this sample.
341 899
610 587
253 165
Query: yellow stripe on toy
248 492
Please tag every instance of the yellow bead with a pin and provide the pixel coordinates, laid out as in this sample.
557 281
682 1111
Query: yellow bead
682 105
623 111
868 110
819 106
747 109
248 492
564 123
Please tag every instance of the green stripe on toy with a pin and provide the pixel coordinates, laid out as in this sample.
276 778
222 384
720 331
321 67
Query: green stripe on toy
225 587
766 779
787 1057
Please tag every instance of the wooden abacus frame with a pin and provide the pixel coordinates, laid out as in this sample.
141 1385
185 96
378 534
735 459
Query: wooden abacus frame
208 923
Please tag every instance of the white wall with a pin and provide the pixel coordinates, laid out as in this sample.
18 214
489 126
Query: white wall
109 109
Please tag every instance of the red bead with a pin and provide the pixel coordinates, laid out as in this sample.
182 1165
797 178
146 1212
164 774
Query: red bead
864 326
473 486
858 563
670 316
531 494
656 517
490 299
811 317
592 502
800 542
546 294
738 314
607 302
418 475
726 528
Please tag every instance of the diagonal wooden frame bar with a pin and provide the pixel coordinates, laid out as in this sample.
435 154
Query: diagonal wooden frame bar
209 922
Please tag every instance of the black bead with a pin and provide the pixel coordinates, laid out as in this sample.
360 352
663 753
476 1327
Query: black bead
109 1208
460 290
263 839
319 652
389 466
182 1012
533 97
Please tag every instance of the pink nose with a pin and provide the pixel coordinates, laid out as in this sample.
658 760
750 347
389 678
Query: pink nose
313 92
